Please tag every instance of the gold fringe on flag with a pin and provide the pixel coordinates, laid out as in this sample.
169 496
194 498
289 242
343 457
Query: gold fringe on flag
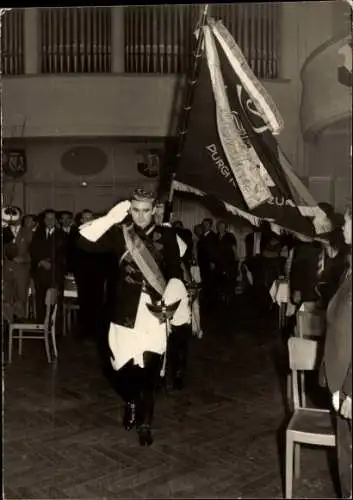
245 170
262 100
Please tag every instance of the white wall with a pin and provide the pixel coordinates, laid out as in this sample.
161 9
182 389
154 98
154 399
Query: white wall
47 184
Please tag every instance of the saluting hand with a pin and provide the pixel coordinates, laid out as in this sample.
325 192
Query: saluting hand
119 212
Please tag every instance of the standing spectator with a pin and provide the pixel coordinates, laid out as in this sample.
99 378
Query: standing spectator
13 302
303 276
48 254
198 233
17 259
68 227
226 261
66 221
90 275
337 365
207 262
23 261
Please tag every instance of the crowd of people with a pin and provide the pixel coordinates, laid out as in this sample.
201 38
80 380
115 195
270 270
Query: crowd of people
127 259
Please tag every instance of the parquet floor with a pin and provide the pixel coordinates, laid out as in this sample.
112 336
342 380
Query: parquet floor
221 437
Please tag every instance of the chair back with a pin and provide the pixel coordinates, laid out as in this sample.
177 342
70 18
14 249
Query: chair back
310 321
51 303
303 356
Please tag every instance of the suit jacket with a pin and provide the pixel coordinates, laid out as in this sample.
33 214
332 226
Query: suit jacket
225 256
70 242
23 242
53 249
126 281
304 270
338 343
18 246
206 251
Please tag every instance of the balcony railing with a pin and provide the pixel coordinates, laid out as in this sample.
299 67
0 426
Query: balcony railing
75 40
159 39
12 53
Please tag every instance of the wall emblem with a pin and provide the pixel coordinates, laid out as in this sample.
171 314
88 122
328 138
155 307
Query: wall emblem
14 163
149 163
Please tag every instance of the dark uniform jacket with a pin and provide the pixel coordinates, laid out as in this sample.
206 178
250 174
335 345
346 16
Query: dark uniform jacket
127 281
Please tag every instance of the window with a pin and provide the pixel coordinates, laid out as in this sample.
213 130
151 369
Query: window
159 39
75 40
12 54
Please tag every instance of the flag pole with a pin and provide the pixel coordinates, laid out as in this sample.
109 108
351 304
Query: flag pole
184 116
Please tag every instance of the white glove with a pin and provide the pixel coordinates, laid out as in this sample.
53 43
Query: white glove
182 246
175 290
94 229
346 407
336 400
119 212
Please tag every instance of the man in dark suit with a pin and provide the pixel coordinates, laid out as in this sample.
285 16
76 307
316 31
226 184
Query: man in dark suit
68 227
337 365
207 245
48 254
91 274
226 262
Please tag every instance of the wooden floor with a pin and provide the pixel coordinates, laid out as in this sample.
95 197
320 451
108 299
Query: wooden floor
221 437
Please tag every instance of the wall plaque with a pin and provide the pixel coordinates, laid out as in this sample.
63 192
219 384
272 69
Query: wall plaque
14 162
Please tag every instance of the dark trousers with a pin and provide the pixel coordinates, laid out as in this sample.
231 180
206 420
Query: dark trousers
209 288
178 347
344 455
138 385
42 283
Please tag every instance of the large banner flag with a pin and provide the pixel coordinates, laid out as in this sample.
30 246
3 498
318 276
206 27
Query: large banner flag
230 152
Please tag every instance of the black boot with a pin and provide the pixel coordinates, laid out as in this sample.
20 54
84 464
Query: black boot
145 435
129 419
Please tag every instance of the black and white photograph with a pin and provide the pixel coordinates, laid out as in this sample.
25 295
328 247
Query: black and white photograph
176 208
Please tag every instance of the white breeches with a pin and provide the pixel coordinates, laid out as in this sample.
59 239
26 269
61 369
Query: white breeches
148 333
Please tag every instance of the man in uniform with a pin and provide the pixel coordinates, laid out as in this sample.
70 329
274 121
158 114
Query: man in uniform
148 270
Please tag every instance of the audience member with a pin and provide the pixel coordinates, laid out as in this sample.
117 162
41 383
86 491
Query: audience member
226 265
48 255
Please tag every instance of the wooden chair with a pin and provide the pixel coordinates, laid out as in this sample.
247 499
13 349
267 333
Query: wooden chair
71 309
307 425
31 301
310 325
70 304
310 322
43 330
